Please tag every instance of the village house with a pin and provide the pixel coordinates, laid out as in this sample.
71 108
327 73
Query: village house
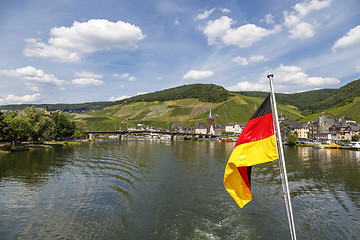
133 129
326 137
302 129
345 129
46 110
325 129
188 130
216 129
233 128
321 125
178 126
282 117
201 128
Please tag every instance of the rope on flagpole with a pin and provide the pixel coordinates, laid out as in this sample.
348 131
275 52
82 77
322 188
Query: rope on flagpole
282 166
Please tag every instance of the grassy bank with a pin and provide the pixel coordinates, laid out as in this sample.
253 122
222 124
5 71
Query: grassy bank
7 148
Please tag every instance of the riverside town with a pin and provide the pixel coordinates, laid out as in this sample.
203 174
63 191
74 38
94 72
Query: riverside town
326 131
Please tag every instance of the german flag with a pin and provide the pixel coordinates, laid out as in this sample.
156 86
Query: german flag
256 144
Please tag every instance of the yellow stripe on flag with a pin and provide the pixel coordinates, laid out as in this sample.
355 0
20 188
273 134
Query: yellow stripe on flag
247 154
252 153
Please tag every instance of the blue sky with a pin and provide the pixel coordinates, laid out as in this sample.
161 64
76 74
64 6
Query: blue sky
74 51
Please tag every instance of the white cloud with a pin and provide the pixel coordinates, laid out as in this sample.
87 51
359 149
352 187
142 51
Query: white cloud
34 78
217 29
305 7
87 75
246 35
247 86
176 22
302 30
294 20
240 60
87 79
290 19
292 76
243 36
286 78
12 99
351 39
357 69
128 77
269 19
194 74
205 14
70 44
132 79
125 75
244 61
83 82
118 98
225 10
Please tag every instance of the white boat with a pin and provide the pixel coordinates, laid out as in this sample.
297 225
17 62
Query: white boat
355 145
165 137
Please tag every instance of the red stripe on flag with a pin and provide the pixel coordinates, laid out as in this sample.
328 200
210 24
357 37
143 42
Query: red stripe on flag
244 174
257 129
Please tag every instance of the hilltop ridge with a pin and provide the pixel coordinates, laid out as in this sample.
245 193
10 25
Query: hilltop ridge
202 92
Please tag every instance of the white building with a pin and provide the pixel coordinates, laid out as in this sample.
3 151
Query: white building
303 130
233 128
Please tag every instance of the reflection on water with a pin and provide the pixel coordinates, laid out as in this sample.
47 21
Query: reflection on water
173 190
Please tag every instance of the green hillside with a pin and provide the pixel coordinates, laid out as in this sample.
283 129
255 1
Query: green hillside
187 105
181 113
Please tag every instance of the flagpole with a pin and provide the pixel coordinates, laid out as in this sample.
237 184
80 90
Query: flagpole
282 166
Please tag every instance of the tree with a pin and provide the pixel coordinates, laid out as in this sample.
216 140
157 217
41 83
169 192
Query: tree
79 133
285 129
3 126
292 139
15 128
41 125
355 138
64 128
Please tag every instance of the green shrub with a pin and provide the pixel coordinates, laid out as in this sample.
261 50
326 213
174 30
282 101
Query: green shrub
292 139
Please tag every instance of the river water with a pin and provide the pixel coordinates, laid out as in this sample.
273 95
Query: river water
173 190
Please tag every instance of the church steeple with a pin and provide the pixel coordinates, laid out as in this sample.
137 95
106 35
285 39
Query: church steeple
210 117
210 121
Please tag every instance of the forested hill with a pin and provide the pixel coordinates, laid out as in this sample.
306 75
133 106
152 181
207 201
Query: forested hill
75 107
202 92
316 100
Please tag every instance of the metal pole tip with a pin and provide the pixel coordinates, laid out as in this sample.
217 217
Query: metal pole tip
270 75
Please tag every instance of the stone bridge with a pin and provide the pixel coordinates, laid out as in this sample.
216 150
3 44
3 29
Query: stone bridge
130 132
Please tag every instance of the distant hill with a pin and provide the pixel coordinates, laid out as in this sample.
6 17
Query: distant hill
76 107
202 92
317 100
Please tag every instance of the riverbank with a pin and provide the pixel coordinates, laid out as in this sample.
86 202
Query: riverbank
326 146
6 148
